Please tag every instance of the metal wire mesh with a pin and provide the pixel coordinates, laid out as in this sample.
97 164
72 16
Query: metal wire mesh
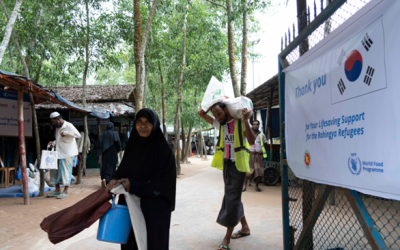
337 226
348 9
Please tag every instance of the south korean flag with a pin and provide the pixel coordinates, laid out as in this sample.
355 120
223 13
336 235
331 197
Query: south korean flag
358 66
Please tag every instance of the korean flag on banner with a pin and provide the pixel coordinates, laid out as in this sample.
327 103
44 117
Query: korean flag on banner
358 65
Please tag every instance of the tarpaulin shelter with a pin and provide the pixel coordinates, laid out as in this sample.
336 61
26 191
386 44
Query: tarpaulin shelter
107 103
10 82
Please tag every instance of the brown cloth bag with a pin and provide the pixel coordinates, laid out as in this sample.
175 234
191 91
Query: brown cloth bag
72 220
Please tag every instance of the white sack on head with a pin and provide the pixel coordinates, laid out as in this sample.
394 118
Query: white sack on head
215 92
235 106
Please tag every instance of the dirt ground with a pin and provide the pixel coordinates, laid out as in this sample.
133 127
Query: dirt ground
193 226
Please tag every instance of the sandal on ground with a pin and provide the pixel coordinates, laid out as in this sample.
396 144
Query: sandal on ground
258 189
53 194
62 196
224 247
240 235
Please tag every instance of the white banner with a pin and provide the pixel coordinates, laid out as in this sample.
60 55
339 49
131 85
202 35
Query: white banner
9 114
343 105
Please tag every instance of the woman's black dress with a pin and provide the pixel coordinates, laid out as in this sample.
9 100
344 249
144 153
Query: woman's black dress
149 164
108 147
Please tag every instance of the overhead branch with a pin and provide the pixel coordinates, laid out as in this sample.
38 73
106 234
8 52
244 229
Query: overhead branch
217 4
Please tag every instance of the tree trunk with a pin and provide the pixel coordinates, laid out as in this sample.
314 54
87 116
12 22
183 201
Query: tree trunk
25 70
231 49
183 156
9 28
245 41
147 76
164 106
84 148
188 150
180 81
201 145
140 48
11 59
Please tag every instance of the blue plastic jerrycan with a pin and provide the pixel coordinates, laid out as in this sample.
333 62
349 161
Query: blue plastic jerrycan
115 226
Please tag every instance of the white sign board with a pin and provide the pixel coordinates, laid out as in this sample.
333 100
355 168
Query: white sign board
343 105
9 114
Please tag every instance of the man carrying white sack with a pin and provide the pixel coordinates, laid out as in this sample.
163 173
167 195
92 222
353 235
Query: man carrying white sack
65 142
231 156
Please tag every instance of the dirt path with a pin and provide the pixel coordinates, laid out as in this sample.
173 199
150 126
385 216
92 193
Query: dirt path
193 226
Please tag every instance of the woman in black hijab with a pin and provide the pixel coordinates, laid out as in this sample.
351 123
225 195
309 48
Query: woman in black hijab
108 147
148 170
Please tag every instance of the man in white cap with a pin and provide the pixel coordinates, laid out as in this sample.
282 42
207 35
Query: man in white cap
65 142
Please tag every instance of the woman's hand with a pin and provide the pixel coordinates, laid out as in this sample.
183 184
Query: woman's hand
111 185
126 185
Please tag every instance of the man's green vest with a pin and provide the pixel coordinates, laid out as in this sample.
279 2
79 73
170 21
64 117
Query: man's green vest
262 145
241 149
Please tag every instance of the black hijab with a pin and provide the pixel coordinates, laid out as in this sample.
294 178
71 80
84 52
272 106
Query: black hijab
107 139
150 158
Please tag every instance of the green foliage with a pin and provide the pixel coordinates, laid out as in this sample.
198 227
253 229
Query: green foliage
59 40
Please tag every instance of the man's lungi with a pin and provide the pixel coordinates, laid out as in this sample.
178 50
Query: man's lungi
64 173
256 166
232 207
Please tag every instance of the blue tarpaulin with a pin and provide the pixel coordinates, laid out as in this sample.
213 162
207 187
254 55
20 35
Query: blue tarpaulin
98 112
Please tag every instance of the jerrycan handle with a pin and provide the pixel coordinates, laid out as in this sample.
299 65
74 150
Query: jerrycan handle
113 200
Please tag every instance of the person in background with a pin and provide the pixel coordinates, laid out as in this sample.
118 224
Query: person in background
257 155
49 133
231 156
65 144
148 170
79 141
108 147
171 145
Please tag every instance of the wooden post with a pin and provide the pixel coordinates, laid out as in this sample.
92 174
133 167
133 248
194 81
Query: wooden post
3 155
21 137
37 142
269 126
98 139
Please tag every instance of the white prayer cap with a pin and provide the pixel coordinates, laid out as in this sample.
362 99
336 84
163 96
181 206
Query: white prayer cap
54 115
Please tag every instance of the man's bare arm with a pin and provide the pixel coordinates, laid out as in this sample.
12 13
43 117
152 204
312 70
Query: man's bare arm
251 138
208 118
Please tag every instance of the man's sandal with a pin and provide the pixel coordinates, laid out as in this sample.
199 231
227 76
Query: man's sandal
240 235
224 247
53 194
62 196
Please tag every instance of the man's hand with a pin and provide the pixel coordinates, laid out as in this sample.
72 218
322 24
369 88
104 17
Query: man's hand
126 185
246 114
203 114
51 144
111 185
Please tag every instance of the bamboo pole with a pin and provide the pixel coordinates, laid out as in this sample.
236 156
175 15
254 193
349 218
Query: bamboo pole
271 151
22 151
37 142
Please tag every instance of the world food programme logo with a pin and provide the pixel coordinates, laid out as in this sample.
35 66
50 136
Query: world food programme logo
307 159
354 164
353 65
49 160
217 92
